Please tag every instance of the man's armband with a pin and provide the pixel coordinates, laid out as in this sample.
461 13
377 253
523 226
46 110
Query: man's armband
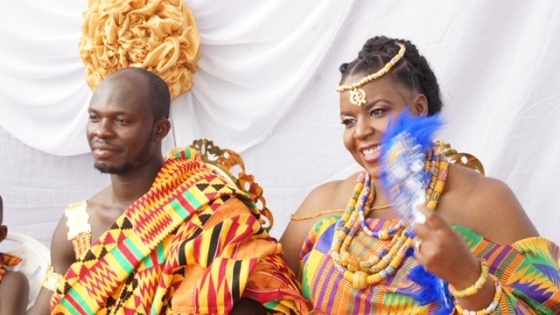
52 279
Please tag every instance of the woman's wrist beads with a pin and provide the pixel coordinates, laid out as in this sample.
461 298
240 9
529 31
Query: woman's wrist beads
473 289
490 308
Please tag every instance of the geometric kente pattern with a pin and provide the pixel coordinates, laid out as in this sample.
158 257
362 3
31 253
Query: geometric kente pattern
528 271
190 245
8 260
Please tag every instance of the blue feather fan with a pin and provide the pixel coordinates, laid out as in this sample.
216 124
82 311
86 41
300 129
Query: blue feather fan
404 179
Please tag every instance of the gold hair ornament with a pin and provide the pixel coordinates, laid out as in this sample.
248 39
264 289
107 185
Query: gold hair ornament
357 95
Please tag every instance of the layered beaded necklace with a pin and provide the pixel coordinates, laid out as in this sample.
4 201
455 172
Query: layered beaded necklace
383 264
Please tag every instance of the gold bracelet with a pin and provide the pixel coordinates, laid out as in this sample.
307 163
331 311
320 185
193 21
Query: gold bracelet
473 289
52 279
490 308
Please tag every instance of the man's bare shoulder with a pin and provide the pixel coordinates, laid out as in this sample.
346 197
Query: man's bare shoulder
99 199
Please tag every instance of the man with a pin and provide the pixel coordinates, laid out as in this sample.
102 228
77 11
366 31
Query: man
168 236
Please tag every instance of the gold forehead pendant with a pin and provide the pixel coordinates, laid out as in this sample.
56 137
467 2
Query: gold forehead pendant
358 95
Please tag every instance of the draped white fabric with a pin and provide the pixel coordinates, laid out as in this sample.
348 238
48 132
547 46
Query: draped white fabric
266 89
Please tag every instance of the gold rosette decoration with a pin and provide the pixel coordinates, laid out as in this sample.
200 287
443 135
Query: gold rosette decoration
157 35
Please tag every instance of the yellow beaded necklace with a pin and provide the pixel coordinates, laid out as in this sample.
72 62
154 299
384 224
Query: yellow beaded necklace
384 263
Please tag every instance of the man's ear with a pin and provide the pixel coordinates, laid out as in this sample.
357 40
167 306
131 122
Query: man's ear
3 232
420 105
161 129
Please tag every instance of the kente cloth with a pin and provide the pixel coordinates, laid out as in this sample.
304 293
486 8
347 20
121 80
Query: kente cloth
190 245
527 270
7 260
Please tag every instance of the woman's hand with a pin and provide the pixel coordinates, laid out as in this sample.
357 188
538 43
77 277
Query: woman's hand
443 252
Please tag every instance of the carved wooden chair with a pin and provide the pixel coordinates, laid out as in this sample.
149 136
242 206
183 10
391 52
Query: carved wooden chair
230 164
460 158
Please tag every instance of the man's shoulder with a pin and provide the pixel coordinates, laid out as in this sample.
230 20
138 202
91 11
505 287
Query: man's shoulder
95 201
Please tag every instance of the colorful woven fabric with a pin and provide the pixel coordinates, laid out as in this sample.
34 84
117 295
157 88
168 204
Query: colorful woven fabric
188 246
7 260
528 273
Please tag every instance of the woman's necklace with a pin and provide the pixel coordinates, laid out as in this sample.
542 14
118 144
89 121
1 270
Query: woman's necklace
363 273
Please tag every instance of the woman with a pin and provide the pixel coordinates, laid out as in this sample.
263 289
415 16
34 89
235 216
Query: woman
476 237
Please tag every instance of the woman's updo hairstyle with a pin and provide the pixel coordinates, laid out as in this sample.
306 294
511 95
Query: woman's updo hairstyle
412 70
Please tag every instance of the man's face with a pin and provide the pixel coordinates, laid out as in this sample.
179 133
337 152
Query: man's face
121 124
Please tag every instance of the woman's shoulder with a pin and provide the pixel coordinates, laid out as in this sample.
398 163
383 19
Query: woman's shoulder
486 205
480 190
323 201
331 195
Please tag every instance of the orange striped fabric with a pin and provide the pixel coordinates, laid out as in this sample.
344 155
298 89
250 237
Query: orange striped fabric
188 246
7 260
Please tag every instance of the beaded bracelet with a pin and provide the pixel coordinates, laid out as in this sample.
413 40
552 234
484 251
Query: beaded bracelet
490 308
473 289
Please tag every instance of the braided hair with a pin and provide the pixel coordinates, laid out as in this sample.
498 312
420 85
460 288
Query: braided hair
413 70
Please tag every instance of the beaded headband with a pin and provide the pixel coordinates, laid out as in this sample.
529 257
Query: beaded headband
357 95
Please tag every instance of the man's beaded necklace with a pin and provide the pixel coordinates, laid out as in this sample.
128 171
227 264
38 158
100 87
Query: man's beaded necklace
383 264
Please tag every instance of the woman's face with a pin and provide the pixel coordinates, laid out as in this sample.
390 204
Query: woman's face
365 124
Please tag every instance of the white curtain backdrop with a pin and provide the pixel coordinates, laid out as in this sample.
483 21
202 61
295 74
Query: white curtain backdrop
266 89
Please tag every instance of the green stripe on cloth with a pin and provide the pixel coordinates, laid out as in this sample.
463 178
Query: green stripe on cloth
192 199
181 211
67 305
